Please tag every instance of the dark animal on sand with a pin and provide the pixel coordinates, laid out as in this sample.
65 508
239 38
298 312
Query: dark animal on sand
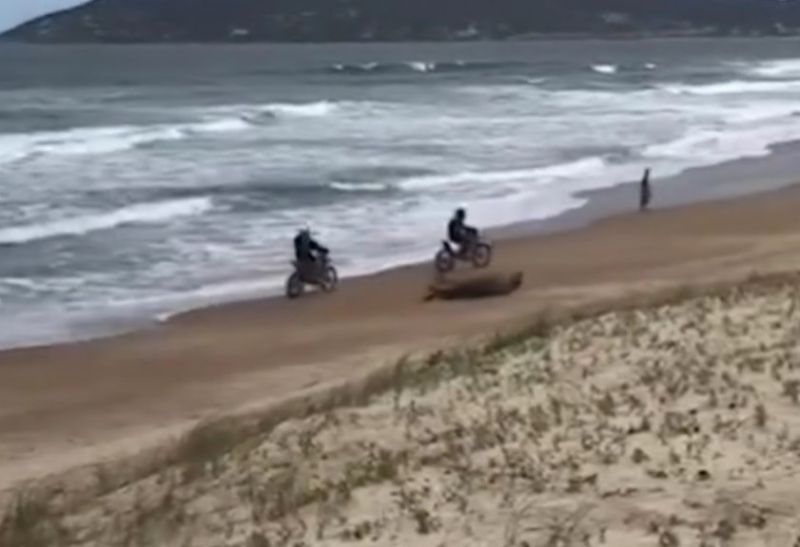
484 286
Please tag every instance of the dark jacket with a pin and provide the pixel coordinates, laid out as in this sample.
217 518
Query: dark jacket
455 231
459 232
306 248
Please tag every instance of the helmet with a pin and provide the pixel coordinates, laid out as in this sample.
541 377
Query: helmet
461 213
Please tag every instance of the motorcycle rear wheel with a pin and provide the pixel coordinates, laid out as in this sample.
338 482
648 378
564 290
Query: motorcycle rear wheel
330 279
294 286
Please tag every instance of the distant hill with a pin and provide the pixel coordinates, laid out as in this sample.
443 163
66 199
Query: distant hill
392 20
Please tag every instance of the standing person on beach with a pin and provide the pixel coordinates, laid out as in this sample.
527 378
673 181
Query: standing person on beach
645 192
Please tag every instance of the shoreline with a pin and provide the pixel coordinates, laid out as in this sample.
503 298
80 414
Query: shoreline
741 177
729 179
68 405
732 178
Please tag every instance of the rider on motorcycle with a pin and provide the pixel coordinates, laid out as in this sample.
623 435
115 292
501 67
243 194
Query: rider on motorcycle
307 251
460 233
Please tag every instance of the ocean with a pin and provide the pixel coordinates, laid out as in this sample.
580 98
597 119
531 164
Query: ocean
137 181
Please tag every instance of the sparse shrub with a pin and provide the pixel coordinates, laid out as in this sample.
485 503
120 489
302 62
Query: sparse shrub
761 416
667 538
24 524
639 456
791 389
258 539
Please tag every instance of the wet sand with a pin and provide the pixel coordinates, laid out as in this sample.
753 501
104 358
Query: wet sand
70 404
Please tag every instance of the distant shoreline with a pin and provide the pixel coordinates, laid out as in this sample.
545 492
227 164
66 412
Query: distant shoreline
6 39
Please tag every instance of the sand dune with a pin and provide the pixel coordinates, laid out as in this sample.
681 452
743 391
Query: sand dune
669 425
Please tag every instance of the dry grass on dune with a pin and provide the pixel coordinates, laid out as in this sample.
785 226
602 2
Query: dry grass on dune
667 426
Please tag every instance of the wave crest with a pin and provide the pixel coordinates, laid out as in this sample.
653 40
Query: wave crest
784 68
302 110
104 140
732 87
419 67
112 139
550 173
605 69
360 187
142 213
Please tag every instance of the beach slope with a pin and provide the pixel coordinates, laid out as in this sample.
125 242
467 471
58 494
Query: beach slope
75 404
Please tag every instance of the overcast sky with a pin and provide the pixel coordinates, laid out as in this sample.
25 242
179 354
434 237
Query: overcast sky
13 12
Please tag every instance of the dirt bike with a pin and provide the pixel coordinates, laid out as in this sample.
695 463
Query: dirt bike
479 253
320 274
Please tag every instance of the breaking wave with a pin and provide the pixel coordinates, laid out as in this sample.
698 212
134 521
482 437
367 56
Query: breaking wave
360 187
141 213
732 87
109 140
784 68
539 175
605 69
611 69
422 67
301 110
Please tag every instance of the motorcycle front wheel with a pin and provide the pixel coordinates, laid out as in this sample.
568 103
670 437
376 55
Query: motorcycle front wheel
482 255
444 261
330 279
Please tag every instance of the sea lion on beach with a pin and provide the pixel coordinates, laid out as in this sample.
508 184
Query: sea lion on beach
484 286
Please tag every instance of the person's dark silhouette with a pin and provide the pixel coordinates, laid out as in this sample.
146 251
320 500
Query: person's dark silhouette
308 253
645 191
459 232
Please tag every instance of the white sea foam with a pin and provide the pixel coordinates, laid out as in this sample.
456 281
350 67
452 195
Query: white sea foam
710 146
114 139
733 87
537 175
422 66
784 68
360 187
605 69
140 213
19 283
301 110
103 140
532 81
223 125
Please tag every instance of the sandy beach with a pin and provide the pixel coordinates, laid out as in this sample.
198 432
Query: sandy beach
68 405
640 388
644 393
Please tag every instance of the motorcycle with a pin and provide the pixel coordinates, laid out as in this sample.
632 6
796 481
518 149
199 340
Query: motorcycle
322 274
479 253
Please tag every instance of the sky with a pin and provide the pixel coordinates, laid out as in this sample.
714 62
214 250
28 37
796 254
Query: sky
14 12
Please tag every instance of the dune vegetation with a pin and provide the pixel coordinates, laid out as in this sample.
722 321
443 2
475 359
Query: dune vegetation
666 425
